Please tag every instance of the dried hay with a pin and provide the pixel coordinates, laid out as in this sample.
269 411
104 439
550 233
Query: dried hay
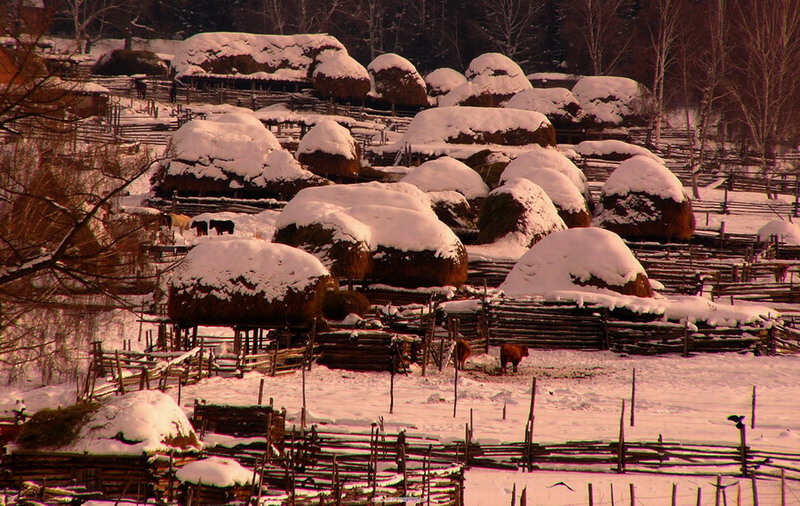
491 172
130 62
454 213
329 165
502 214
414 269
337 304
350 260
189 185
576 219
641 216
400 87
55 428
639 287
341 88
544 136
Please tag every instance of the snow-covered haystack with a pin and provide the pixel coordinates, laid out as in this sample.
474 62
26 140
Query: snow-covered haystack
611 101
613 150
386 232
397 81
642 199
489 164
518 213
553 80
786 232
578 259
341 77
248 55
492 78
443 80
218 472
479 125
538 158
229 155
558 104
247 281
453 209
570 203
147 421
129 62
328 149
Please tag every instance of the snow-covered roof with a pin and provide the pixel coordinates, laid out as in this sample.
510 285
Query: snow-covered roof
341 65
545 158
548 101
216 472
563 192
613 147
285 57
608 99
328 137
643 174
396 215
444 79
787 232
447 173
270 270
143 421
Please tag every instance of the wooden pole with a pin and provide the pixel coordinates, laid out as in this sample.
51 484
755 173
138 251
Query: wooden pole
699 496
504 411
621 447
514 495
391 387
633 396
753 409
260 391
612 494
738 493
783 487
523 497
633 494
591 495
755 490
718 490
455 392
533 399
674 494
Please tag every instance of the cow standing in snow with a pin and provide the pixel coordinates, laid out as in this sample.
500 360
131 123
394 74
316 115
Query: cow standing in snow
512 353
463 351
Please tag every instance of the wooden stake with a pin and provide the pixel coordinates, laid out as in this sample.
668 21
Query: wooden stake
179 391
783 487
612 494
699 496
455 392
753 410
755 490
260 391
119 373
718 490
391 388
633 396
504 411
514 495
621 447
738 493
674 494
523 497
591 495
633 494
533 399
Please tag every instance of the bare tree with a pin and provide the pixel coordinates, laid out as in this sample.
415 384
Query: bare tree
595 29
510 27
89 18
663 36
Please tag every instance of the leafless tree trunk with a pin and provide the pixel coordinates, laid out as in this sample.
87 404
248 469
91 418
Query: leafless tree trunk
598 22
662 40
510 26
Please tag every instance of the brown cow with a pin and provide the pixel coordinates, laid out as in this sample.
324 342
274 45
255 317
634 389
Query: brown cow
463 351
512 353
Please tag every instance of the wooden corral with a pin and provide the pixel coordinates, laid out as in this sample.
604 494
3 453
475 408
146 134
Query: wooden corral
367 350
241 421
201 494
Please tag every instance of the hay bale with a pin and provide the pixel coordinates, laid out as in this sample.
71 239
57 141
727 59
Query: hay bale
397 81
453 209
447 174
328 149
54 428
414 269
124 62
268 284
342 78
643 200
613 150
571 205
609 101
518 212
443 80
558 104
345 257
492 79
337 304
578 260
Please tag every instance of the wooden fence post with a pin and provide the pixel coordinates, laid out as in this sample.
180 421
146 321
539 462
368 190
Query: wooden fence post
621 444
591 495
753 409
633 396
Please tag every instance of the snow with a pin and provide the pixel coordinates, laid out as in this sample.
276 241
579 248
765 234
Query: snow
546 158
644 175
279 166
215 471
328 137
442 123
289 55
463 92
271 270
548 101
613 147
391 60
233 143
609 99
260 226
447 173
501 74
443 80
787 232
563 192
341 65
396 215
130 424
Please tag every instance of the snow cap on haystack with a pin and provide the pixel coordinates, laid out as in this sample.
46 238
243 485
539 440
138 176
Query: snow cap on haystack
786 232
397 81
341 77
578 259
558 104
328 149
218 472
492 78
387 231
643 199
545 159
571 204
612 149
611 100
445 174
519 213
443 80
247 281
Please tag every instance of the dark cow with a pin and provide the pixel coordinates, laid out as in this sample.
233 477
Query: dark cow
511 353
200 227
463 351
221 226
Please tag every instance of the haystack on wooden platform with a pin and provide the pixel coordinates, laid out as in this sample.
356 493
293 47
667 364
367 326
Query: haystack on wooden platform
610 101
329 150
643 200
492 78
230 155
397 81
247 282
613 150
558 104
241 421
341 77
517 214
366 350
571 205
384 232
214 480
127 62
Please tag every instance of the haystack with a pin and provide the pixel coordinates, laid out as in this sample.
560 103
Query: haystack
558 104
489 165
642 199
328 149
215 480
453 209
229 155
614 150
387 233
124 62
612 101
785 232
492 79
448 174
571 205
340 303
397 81
566 263
443 80
548 159
518 213
264 284
342 78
